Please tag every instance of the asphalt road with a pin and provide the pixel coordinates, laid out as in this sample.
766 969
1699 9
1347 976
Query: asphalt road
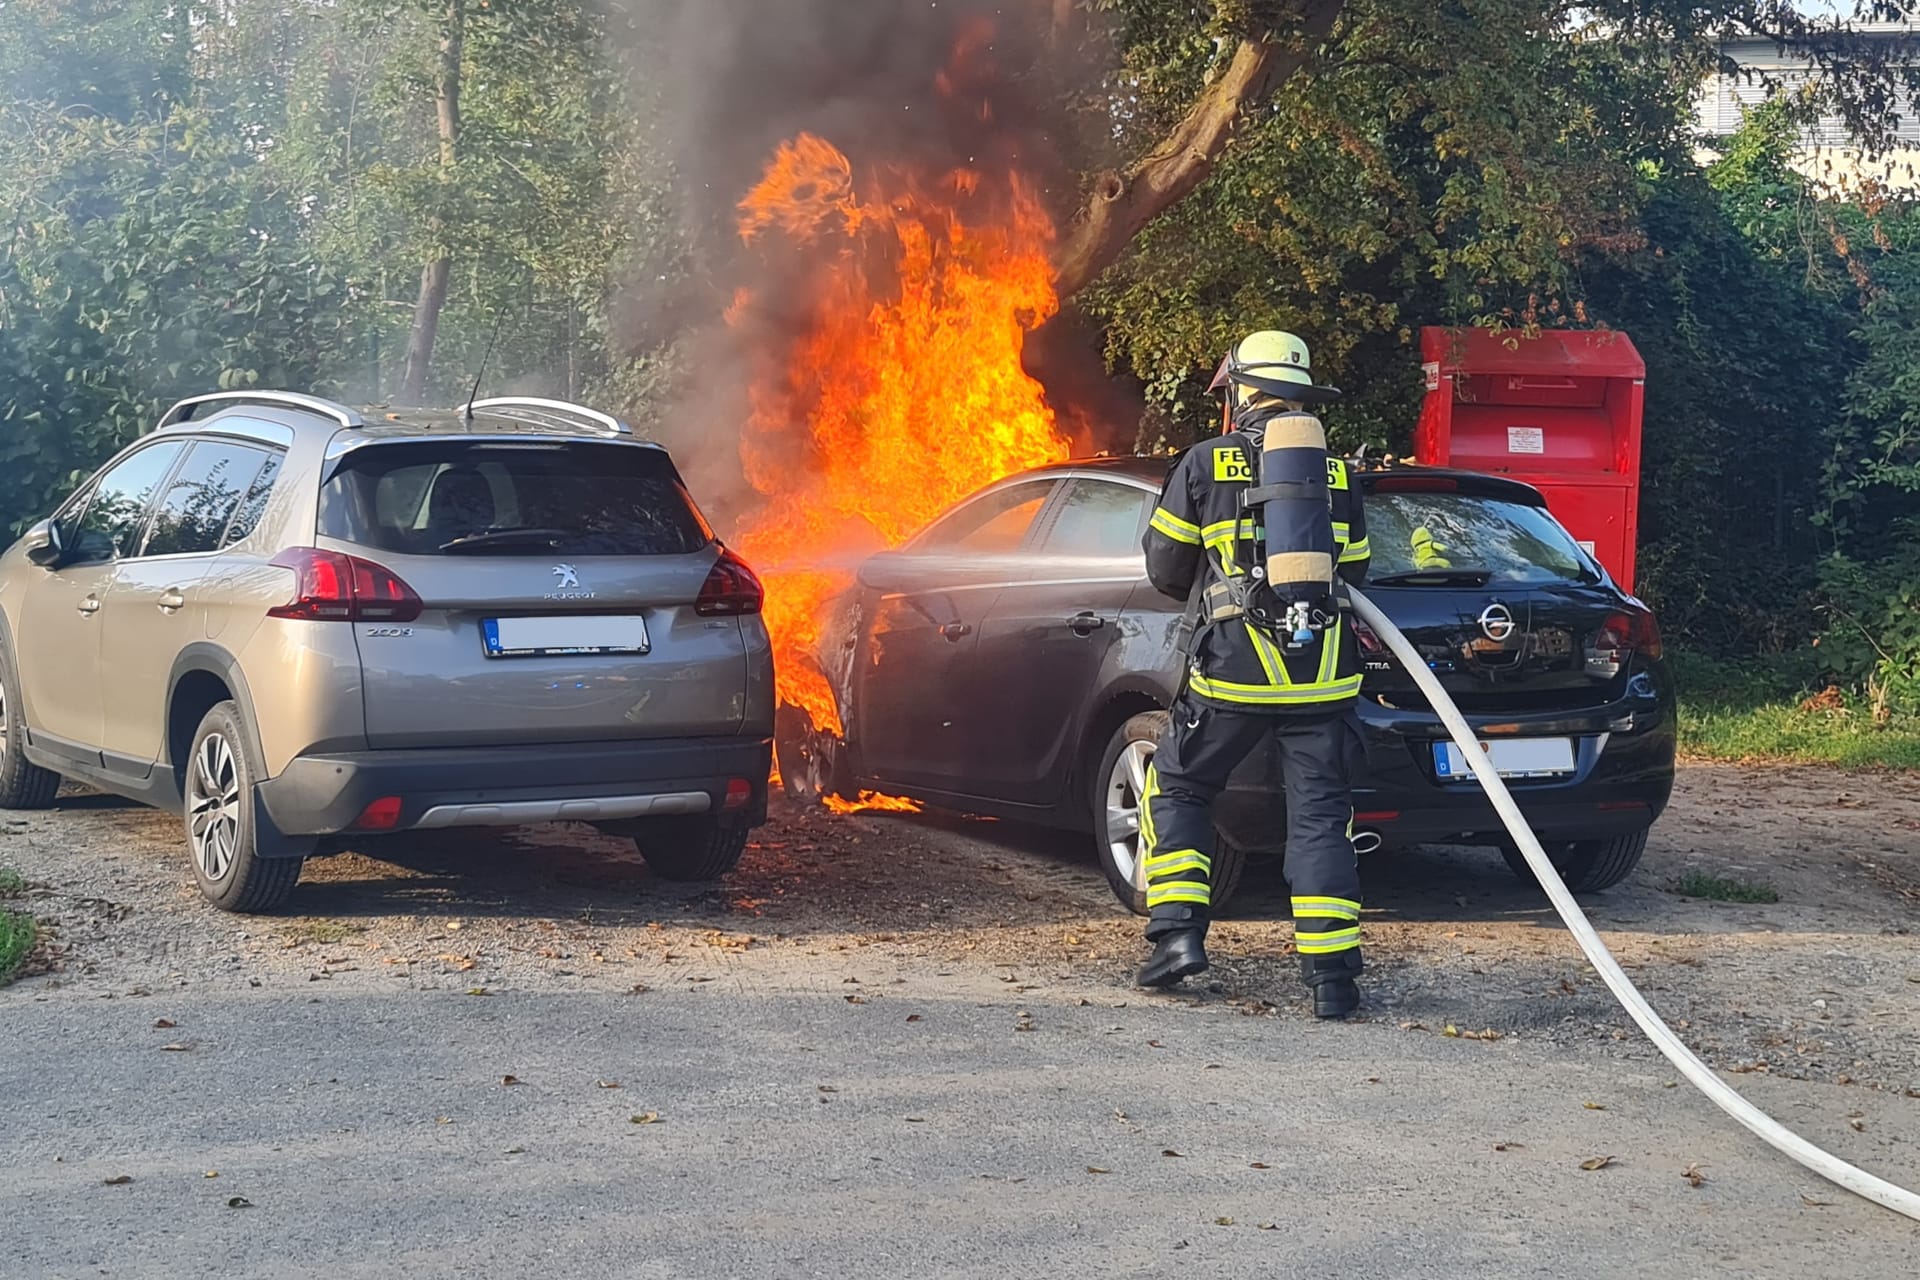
800 1133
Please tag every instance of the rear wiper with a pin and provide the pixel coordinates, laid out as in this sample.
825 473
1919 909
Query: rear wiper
1465 576
504 538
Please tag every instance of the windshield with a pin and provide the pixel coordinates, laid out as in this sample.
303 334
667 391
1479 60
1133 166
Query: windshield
1433 533
451 497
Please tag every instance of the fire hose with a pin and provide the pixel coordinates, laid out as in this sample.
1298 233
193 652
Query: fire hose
1701 1076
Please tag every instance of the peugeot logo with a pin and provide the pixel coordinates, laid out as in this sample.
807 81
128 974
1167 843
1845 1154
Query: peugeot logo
568 576
1497 621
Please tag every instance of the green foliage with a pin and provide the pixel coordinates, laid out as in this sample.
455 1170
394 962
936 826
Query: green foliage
17 935
1781 708
1697 884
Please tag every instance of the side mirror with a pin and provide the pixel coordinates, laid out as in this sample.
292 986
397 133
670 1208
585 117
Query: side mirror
42 544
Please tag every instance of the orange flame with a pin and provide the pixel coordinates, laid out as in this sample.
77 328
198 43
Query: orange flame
899 388
871 802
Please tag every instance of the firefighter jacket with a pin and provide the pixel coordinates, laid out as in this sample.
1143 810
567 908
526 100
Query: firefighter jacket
1201 527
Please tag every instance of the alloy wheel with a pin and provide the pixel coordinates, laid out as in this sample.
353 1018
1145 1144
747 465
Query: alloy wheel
1126 784
213 806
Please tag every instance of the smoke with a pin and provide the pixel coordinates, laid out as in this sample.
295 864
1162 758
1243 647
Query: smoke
930 85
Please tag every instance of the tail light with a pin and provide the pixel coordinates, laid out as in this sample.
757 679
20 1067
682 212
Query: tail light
1369 642
1621 636
330 586
731 589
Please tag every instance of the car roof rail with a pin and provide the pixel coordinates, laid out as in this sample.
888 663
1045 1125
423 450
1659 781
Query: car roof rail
183 411
539 412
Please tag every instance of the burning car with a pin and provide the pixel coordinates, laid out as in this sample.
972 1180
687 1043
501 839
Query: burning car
1012 659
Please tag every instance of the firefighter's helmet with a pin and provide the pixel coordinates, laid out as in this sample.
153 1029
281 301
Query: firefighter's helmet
1270 363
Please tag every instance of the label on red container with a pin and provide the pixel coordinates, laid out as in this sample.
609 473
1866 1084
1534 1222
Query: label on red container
1432 369
1526 440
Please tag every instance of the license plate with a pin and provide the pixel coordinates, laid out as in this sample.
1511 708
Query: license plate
583 636
1510 757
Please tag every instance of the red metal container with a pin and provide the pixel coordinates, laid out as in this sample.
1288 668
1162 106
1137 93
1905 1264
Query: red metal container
1561 411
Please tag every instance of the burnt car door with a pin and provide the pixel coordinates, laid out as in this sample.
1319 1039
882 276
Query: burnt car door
919 691
1047 640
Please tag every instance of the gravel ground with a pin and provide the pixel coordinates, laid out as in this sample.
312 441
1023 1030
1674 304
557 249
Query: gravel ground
1824 984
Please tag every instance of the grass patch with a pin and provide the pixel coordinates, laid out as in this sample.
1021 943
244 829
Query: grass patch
17 932
1697 884
12 883
1772 710
323 931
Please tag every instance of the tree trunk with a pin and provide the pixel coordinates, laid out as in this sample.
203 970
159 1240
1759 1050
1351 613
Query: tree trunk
1124 202
433 277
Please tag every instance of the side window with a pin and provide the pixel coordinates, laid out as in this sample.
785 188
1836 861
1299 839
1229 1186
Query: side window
246 518
201 498
108 527
1098 519
994 525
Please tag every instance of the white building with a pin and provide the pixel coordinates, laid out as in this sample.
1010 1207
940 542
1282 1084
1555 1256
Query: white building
1830 157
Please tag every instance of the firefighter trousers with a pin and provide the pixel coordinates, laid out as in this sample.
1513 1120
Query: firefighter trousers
1318 755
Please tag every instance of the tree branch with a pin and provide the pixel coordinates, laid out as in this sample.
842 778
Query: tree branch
1122 203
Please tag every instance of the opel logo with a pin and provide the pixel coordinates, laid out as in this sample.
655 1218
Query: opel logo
569 577
1497 621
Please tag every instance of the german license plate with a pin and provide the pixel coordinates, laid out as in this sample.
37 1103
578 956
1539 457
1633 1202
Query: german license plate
582 636
1510 757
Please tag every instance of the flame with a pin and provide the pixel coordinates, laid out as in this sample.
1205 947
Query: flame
871 802
892 385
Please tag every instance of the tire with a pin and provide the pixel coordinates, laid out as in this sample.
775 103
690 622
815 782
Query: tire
1588 866
1116 814
23 784
813 762
218 811
691 849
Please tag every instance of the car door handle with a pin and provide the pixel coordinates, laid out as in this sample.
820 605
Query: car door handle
1085 624
171 601
956 630
90 606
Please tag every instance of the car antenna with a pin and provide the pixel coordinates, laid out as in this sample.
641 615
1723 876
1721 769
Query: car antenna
485 360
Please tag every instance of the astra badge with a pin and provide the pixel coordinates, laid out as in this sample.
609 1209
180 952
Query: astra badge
1497 621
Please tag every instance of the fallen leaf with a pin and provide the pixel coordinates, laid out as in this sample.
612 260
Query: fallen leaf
516 1151
1155 1044
1118 1114
1257 1165
639 989
914 1017
1373 1079
916 1119
1811 1203
606 1084
509 1080
1269 1226
1858 1126
854 999
443 1119
1094 1168
118 1180
1594 1106
645 1117
1413 1026
1223 1222
239 1202
478 991
211 1173
182 1046
1171 1152
1693 1175
1508 1146
164 1024
827 1088
1598 1162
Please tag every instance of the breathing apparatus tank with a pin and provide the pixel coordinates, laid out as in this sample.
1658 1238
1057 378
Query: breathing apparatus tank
1290 506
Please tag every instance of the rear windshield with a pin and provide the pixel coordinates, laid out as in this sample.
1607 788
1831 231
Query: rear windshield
1411 532
459 498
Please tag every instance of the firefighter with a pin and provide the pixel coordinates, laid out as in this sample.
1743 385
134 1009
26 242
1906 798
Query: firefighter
1264 658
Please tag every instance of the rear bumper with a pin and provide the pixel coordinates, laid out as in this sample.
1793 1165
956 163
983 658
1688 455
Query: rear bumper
1622 779
499 786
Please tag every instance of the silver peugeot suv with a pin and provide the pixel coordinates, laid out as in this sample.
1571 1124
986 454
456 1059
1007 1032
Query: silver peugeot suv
294 624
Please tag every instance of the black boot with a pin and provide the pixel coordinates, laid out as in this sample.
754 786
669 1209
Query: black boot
1175 956
1335 993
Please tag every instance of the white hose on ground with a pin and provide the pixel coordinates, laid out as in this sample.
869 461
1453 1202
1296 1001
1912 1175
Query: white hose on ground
1770 1131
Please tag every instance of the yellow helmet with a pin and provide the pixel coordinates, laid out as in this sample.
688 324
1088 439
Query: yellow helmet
1270 363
